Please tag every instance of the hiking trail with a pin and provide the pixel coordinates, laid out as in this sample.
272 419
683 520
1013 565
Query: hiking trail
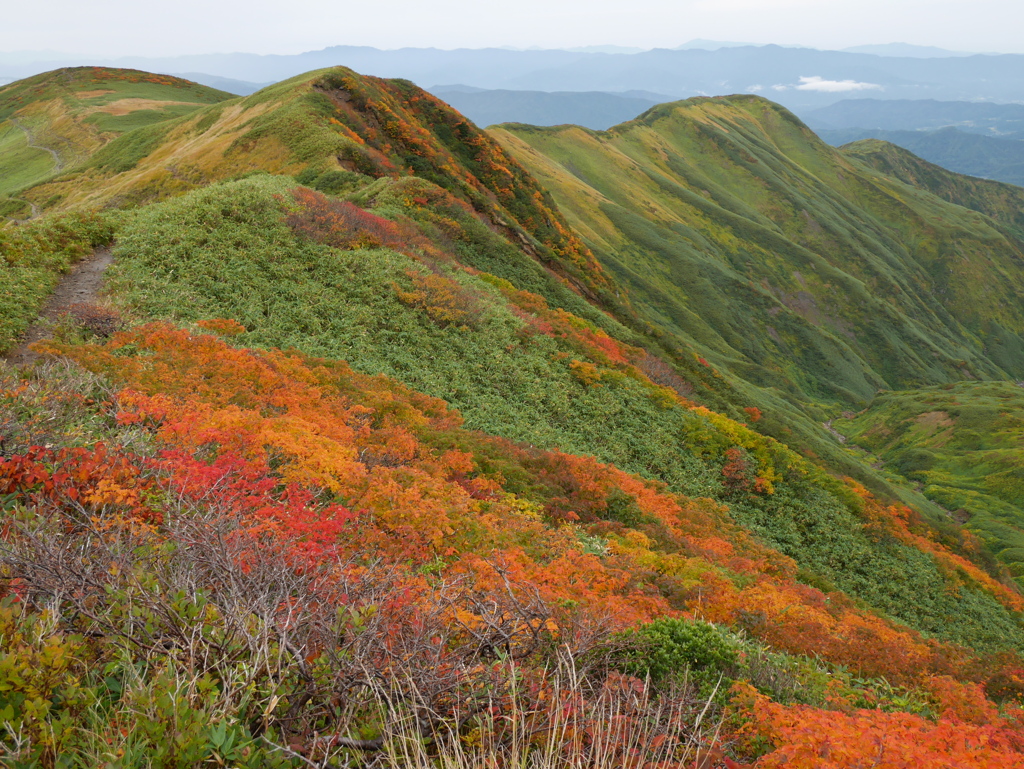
80 285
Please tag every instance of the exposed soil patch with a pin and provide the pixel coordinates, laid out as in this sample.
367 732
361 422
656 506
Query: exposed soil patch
80 286
835 433
127 106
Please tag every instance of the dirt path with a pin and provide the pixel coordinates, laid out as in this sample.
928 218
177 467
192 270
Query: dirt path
58 164
81 284
835 433
33 211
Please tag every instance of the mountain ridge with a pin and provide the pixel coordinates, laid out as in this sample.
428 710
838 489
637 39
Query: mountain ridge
565 439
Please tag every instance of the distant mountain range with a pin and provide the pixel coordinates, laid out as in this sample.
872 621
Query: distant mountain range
799 78
1000 120
906 49
592 109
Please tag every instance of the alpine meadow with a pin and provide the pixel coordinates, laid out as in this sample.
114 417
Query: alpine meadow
385 440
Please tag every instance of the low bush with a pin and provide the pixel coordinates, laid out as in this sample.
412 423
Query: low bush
672 649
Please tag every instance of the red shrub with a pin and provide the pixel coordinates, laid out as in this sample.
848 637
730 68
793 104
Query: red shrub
339 223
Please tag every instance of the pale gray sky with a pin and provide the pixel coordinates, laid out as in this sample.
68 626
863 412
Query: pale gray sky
148 27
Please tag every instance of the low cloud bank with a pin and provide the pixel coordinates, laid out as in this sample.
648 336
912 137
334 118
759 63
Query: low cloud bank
834 86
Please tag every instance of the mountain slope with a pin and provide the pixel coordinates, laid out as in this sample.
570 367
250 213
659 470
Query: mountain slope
734 227
54 121
334 122
392 147
512 471
1000 201
511 365
965 445
986 157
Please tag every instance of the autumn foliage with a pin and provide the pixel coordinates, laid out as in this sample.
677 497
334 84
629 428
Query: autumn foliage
803 737
339 223
316 461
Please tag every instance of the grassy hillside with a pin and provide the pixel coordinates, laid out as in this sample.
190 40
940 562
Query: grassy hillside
964 444
785 263
337 130
57 120
512 366
1002 202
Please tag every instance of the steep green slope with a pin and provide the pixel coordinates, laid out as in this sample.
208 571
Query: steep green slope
343 130
1003 202
514 368
57 120
964 444
790 266
987 157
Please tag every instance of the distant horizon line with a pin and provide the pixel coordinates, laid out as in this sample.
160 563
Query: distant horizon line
30 55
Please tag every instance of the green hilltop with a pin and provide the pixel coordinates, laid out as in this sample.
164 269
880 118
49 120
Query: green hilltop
789 264
57 120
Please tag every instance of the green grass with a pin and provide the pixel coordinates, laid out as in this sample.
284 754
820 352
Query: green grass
120 124
124 153
735 229
20 164
1003 202
67 83
225 252
964 444
52 107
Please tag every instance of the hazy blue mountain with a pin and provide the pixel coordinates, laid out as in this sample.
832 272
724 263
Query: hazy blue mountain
237 87
593 109
799 78
607 49
710 45
965 153
1001 120
906 49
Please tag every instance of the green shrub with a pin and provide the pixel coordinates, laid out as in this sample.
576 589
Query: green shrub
668 649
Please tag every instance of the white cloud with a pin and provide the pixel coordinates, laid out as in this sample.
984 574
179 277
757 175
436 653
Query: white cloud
780 87
755 88
834 86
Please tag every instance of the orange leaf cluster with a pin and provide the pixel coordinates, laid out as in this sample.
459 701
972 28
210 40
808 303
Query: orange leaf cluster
809 738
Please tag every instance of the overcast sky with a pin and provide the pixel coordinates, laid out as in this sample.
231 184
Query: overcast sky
149 27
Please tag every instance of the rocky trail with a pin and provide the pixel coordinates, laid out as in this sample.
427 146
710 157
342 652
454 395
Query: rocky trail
81 285
835 433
